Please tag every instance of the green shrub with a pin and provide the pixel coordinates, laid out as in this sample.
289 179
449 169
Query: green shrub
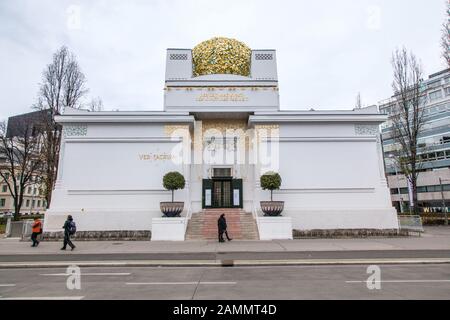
173 181
270 181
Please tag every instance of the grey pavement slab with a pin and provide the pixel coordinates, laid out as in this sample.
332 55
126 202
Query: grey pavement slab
435 238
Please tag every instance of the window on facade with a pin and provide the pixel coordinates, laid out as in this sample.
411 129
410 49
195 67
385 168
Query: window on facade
4 188
29 189
39 203
434 84
394 191
33 203
2 202
222 172
421 189
27 203
6 176
440 155
435 95
447 91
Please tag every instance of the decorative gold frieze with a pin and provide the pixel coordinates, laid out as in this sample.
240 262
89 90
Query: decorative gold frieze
169 130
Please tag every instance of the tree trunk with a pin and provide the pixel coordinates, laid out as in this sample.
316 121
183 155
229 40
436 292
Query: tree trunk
16 210
271 195
414 193
172 195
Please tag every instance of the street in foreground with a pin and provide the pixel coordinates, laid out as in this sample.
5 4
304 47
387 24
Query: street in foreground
431 281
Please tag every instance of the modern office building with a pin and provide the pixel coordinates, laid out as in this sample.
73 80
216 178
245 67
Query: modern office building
434 142
221 127
34 198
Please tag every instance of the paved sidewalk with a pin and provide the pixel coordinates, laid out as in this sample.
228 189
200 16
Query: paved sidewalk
434 238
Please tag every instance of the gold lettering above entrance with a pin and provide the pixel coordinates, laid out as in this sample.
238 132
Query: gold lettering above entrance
222 97
155 157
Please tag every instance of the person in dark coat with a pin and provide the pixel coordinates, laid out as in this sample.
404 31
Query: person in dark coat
222 226
67 234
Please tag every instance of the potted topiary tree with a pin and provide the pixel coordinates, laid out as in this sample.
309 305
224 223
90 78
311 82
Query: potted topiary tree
172 181
271 181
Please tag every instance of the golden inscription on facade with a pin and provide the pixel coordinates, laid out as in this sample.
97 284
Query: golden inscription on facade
156 157
222 97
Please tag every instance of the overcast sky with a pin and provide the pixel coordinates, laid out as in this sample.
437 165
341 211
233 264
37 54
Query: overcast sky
327 51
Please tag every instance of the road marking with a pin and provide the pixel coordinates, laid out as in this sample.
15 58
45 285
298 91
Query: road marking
88 274
44 298
180 283
7 285
399 281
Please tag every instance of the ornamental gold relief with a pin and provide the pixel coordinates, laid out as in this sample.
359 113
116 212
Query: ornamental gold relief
169 130
223 125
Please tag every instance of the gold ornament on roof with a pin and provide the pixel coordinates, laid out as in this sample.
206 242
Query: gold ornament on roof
221 56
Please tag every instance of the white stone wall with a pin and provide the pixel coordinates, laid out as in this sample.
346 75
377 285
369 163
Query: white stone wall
333 177
109 180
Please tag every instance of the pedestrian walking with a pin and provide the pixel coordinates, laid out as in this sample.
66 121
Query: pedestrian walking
36 229
69 230
222 226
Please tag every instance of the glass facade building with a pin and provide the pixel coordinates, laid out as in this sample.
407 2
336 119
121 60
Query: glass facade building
434 148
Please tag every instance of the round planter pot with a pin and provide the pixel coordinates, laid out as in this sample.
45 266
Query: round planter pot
171 209
272 208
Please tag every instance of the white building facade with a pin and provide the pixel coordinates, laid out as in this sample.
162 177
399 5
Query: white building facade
221 131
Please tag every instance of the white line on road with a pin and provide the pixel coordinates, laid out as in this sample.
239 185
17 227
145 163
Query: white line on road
399 281
179 283
7 285
44 298
88 274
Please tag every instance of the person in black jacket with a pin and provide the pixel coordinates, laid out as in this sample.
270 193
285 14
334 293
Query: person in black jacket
222 226
67 234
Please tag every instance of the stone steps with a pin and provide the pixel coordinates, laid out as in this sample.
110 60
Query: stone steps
203 225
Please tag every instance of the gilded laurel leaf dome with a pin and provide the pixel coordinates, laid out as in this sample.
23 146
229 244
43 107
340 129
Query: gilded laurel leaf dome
221 56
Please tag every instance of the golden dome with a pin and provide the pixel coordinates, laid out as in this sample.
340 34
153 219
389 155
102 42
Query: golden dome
221 56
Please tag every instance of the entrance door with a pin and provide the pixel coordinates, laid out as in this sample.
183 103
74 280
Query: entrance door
222 193
221 197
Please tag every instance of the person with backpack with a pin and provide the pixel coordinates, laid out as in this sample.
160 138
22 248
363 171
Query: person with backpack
69 230
36 229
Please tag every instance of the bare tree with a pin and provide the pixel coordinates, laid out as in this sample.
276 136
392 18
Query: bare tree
408 116
63 85
96 104
358 101
445 38
22 163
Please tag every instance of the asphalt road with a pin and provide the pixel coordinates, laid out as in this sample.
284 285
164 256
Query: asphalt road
366 254
288 282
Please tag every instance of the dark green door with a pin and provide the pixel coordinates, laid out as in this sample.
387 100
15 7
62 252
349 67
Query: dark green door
222 193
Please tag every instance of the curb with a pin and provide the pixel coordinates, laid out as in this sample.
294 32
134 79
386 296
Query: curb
219 263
